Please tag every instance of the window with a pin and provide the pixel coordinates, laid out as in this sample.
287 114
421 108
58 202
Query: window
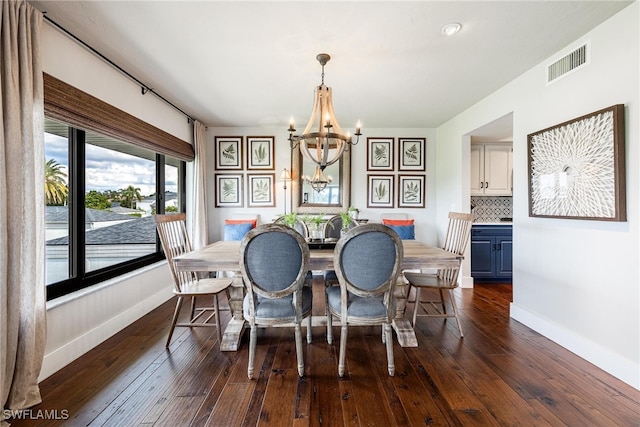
105 179
117 184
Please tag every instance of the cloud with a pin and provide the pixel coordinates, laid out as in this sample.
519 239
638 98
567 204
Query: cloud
111 170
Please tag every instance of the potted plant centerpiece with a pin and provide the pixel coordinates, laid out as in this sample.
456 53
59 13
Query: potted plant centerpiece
315 224
289 219
353 212
347 219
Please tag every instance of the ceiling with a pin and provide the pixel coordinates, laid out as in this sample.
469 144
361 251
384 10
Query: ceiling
254 63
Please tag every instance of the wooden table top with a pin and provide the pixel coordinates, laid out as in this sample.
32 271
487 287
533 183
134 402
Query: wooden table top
225 256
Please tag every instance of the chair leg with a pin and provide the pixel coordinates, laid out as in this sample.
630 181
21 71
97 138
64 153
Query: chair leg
343 349
455 312
444 308
193 309
174 320
217 318
252 350
390 362
309 337
298 335
329 326
416 305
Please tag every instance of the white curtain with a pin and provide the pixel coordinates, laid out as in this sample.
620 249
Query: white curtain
200 223
22 243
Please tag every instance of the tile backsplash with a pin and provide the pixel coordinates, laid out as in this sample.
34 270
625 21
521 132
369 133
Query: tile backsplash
491 209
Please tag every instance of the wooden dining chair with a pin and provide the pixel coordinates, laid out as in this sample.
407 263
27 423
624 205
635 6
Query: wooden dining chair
456 239
175 241
274 262
367 262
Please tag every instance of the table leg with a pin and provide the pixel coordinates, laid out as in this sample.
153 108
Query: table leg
233 332
404 330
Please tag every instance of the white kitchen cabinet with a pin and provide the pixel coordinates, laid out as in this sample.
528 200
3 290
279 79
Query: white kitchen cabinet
491 169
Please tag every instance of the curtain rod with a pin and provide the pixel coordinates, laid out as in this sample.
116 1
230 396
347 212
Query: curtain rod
144 88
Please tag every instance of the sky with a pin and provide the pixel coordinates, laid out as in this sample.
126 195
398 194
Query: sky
111 170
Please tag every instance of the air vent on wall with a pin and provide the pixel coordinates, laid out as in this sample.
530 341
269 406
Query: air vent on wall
570 62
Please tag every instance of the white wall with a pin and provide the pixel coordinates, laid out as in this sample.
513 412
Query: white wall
576 282
78 322
424 218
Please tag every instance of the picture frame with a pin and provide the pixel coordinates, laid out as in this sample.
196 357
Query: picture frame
229 190
411 154
228 152
577 168
380 191
411 191
260 152
261 189
380 154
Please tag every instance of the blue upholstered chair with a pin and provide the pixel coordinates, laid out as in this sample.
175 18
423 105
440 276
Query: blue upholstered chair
333 229
301 228
274 262
367 262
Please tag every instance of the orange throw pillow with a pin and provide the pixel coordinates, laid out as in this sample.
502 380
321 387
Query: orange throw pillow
397 221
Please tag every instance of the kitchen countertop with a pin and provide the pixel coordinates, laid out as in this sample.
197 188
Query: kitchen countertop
493 223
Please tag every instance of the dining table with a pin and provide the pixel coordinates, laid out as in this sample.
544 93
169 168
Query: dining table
224 256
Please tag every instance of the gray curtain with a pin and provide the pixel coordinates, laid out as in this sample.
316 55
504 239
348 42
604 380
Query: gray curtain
200 224
22 243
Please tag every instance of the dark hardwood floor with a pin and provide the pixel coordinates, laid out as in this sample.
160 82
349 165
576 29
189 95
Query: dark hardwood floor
501 374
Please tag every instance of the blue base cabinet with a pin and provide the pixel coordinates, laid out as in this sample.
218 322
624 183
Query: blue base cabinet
491 253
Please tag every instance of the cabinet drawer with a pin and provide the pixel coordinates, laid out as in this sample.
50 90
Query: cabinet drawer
491 230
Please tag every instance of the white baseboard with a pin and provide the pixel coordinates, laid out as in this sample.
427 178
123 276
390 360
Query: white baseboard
62 356
466 282
612 363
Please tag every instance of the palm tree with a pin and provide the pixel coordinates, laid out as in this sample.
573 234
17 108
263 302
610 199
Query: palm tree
130 194
55 183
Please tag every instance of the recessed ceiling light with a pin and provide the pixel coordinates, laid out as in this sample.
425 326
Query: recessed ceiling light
451 28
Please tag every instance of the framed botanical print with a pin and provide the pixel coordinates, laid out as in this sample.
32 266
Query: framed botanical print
411 191
380 191
228 190
411 154
228 152
261 189
577 168
260 152
380 154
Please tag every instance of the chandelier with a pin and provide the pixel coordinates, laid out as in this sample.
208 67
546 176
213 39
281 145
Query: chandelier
323 140
319 180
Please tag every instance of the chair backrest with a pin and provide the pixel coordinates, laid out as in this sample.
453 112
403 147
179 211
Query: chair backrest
172 230
334 225
456 239
299 226
367 260
274 260
458 232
